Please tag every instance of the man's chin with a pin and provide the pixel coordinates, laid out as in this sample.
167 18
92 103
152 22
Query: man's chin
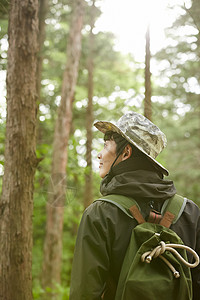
101 174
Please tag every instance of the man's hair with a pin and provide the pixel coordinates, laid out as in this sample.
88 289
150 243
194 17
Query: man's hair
121 142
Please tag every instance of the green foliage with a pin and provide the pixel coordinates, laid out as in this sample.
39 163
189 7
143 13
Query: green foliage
111 68
3 44
4 8
181 100
62 293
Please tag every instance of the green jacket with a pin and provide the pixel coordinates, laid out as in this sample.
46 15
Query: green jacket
105 231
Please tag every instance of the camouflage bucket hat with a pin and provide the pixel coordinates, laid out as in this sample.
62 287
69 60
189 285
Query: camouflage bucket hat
140 132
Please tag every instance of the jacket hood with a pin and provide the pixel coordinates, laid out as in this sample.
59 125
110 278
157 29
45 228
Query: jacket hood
137 179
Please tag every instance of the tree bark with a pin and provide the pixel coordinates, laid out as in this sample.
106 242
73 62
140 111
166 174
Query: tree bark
88 195
16 204
57 194
147 100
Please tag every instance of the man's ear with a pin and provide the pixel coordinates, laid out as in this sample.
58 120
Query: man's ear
127 152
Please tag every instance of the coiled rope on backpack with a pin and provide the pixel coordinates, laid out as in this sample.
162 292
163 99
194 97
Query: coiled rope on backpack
159 250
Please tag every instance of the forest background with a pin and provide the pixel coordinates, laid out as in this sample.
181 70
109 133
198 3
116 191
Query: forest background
116 83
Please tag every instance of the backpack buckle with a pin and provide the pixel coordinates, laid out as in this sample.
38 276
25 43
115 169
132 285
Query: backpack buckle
154 217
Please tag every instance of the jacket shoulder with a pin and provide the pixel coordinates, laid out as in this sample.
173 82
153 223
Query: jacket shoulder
192 208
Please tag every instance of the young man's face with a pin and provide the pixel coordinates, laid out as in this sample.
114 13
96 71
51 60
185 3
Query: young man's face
106 157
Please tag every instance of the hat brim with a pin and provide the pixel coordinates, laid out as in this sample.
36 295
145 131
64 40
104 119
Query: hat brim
105 126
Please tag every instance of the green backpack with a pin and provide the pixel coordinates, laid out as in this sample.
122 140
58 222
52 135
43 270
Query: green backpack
155 265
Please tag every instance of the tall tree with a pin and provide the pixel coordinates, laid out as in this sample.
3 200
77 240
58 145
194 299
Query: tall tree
16 204
88 196
147 100
55 206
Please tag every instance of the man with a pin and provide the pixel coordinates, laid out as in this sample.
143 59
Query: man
127 166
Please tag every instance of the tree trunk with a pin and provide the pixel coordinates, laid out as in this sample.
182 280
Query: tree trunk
16 205
147 100
88 195
57 194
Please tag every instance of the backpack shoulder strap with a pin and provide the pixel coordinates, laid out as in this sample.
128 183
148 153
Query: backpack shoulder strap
128 205
121 201
172 210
